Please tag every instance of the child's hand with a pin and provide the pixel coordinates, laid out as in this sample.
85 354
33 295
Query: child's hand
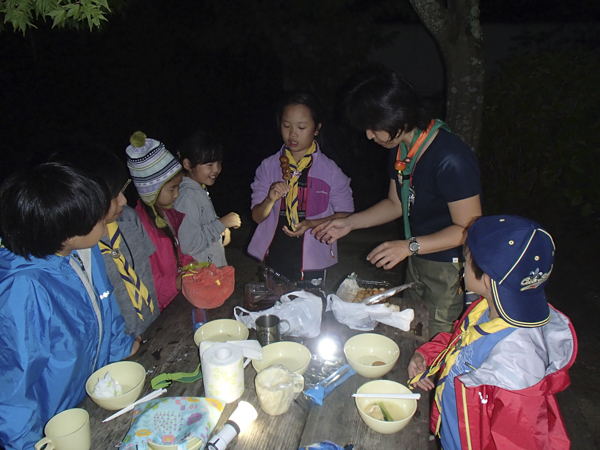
178 281
416 366
301 228
136 346
278 190
231 220
226 236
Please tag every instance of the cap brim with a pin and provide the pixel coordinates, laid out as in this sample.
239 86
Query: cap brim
525 309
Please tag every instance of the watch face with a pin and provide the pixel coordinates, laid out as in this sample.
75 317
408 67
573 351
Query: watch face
413 246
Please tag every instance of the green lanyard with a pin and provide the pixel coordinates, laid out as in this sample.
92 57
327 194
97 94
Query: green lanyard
164 380
406 172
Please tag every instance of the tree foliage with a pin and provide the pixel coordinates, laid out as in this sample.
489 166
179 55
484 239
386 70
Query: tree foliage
22 14
541 141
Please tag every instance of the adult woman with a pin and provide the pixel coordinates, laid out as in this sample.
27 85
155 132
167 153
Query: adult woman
434 181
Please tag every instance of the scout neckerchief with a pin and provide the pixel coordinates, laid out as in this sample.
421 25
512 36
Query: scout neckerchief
291 199
406 160
469 333
135 288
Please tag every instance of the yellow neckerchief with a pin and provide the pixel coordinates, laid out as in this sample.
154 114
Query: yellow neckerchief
291 200
469 333
135 287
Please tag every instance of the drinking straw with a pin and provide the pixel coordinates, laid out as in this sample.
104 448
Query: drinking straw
389 395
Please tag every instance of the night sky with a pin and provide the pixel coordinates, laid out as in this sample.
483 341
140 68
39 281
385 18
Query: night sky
170 68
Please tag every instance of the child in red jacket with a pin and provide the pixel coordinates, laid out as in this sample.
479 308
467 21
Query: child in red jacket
156 174
497 373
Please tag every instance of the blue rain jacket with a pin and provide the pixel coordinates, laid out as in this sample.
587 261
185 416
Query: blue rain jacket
52 338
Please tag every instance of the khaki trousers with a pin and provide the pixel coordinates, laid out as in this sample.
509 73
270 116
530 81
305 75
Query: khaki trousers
440 287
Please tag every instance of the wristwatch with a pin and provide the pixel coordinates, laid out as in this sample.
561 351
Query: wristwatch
413 246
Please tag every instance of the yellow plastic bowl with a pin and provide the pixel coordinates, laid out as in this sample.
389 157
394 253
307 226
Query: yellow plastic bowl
193 443
130 375
292 355
364 349
402 410
221 330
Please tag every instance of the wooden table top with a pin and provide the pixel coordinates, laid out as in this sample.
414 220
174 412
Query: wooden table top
168 347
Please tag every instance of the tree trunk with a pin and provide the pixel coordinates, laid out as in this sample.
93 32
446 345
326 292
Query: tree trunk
457 30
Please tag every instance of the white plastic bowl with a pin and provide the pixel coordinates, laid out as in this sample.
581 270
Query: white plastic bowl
292 355
365 349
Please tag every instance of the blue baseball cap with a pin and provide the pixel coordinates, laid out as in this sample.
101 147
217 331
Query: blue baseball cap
518 256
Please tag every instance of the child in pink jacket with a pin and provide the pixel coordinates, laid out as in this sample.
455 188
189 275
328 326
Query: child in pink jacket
156 174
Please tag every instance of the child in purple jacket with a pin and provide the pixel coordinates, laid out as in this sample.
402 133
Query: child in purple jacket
295 190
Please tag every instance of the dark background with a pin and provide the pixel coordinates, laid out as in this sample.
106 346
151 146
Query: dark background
170 68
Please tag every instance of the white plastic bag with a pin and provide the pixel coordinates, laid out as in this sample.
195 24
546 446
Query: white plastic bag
304 314
359 316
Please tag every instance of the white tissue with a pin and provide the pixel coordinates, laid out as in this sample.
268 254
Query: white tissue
223 372
107 387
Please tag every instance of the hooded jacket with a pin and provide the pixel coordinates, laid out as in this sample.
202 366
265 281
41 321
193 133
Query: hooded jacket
328 192
509 400
53 336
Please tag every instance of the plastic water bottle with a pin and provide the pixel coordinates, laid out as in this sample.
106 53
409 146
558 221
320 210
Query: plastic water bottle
198 318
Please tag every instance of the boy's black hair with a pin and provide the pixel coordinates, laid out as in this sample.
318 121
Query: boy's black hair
201 148
96 162
43 206
478 271
381 100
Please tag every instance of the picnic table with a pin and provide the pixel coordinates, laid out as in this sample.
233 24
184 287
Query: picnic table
168 346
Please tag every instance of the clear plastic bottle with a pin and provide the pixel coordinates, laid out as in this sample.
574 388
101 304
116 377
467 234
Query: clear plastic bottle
198 318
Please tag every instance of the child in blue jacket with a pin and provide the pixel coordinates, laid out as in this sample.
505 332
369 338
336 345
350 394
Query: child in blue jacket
59 321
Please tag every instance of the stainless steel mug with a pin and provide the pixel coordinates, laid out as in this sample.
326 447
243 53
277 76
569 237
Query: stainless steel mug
267 329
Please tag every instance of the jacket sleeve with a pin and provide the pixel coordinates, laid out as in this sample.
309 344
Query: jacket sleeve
261 184
340 195
120 342
194 235
24 340
434 347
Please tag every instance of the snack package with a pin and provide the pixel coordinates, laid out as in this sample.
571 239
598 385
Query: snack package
354 289
348 290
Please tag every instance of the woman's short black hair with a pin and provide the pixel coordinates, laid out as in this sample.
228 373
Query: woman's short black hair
381 100
42 207
201 148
